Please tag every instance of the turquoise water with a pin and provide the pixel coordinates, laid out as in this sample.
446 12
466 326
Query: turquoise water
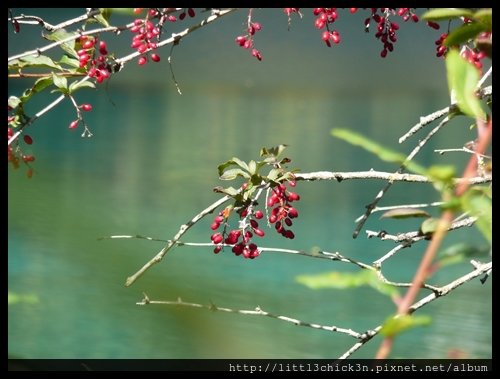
151 166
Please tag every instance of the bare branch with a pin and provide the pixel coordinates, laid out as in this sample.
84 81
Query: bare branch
417 235
425 120
392 177
387 208
183 229
479 270
384 190
439 292
256 312
176 37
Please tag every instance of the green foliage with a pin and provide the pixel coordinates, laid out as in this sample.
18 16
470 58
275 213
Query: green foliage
380 151
396 325
16 298
347 280
441 14
458 253
477 201
251 172
463 78
404 213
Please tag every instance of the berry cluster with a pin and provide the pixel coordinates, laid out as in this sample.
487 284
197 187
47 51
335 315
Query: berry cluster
326 17
83 107
246 41
474 57
96 66
15 154
283 213
241 238
441 49
248 227
145 32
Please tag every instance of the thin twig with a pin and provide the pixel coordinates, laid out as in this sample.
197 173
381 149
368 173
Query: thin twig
392 177
425 120
461 150
387 208
172 69
479 270
442 228
176 37
383 191
255 312
439 292
417 235
183 229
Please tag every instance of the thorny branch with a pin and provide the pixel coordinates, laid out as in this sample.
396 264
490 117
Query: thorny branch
362 337
175 39
322 175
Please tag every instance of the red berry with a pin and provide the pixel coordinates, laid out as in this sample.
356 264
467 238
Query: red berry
433 25
258 215
353 10
89 44
259 232
414 17
86 107
155 57
292 212
138 10
74 124
217 238
383 53
182 16
256 53
142 61
191 12
214 226
240 40
102 48
217 249
28 140
325 36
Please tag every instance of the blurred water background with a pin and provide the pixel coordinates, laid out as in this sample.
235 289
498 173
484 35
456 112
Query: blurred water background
151 166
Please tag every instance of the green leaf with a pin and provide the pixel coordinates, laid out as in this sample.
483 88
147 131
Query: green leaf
346 280
272 152
478 204
405 213
252 167
62 34
72 62
233 162
463 78
79 85
429 226
233 174
397 325
39 86
60 82
440 14
464 33
102 20
274 174
14 102
458 253
34 61
228 191
15 298
484 16
383 153
441 173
